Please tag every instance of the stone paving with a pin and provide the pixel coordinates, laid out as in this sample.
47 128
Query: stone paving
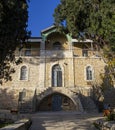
63 121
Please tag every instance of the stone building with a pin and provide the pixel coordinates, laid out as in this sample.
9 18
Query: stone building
57 73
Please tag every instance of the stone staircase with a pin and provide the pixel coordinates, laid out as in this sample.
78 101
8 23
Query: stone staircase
88 104
109 97
84 103
44 92
26 104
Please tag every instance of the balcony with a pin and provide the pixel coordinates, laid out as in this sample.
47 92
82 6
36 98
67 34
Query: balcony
85 53
28 53
57 53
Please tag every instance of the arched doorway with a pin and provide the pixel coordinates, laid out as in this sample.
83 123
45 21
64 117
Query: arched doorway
56 102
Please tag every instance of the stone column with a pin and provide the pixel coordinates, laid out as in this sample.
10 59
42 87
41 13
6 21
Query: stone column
42 66
71 65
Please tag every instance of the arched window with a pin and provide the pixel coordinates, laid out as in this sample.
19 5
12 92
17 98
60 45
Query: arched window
56 76
57 45
89 73
23 73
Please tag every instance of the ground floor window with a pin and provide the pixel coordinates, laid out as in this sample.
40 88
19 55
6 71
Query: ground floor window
89 73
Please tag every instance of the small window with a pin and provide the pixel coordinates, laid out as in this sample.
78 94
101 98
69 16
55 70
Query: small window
23 73
28 50
89 73
57 45
85 51
65 100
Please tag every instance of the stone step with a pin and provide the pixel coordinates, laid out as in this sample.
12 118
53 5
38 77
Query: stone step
88 104
109 97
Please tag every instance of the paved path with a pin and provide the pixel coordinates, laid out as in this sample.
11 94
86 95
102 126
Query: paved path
63 121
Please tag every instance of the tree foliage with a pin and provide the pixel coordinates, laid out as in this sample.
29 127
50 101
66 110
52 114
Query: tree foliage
13 32
93 19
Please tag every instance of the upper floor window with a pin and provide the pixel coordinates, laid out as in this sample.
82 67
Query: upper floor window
89 73
28 50
23 73
85 51
56 76
57 45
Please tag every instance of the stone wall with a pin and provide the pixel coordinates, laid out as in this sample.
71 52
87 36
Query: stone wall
80 65
23 124
39 71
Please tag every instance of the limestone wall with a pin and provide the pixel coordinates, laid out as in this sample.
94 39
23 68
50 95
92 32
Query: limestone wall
9 91
39 70
56 38
80 65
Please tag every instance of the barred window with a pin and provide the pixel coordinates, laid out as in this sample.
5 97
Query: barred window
89 73
56 45
23 73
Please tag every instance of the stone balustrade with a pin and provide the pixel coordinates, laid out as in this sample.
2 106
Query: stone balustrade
105 125
23 124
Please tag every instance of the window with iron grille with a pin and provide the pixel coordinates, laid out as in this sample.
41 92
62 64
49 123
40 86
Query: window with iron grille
89 73
23 73
57 46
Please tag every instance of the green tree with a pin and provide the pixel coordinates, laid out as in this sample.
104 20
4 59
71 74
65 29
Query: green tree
13 32
96 18
93 19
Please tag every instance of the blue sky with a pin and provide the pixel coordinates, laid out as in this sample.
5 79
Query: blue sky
41 15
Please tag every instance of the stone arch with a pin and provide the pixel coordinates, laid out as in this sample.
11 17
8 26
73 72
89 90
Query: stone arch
73 103
56 33
56 37
56 102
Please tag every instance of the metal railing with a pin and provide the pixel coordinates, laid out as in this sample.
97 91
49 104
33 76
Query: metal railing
74 52
28 52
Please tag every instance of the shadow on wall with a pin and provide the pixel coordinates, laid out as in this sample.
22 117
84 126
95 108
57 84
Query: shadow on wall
8 99
104 93
56 102
88 104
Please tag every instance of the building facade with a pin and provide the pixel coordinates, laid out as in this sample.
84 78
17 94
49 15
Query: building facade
57 73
